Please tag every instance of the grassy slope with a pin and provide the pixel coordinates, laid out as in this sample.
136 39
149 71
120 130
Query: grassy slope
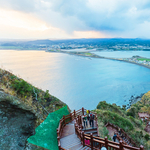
16 86
142 59
123 119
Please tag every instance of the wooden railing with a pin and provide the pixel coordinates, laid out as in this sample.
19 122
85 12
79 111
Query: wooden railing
147 125
95 142
124 134
144 118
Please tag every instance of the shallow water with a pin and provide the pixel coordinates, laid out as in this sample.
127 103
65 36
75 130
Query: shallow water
122 54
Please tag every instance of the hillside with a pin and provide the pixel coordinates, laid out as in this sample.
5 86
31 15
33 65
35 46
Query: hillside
126 119
23 108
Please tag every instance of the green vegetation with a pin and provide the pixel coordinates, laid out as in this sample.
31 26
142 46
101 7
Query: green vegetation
140 106
142 59
127 120
41 102
88 54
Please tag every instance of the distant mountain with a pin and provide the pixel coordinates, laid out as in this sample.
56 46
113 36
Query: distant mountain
40 42
105 42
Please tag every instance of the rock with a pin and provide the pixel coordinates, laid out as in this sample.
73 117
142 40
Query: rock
1 90
13 116
20 144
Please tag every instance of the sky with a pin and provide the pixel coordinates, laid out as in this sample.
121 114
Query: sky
69 19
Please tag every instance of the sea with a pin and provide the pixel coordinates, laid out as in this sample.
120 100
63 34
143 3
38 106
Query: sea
80 81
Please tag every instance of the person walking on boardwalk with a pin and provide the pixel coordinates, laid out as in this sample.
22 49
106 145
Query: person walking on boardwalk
114 137
119 130
85 121
91 120
88 117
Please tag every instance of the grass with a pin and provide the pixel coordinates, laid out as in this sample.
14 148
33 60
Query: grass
143 59
40 101
89 54
127 120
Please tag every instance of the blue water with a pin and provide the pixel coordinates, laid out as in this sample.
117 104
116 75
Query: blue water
78 81
122 54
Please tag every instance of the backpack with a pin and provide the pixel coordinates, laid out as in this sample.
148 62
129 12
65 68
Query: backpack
93 116
87 142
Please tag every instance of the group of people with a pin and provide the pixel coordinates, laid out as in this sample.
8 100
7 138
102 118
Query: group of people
89 117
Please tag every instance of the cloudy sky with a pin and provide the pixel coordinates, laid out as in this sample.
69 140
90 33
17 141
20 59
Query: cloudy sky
57 19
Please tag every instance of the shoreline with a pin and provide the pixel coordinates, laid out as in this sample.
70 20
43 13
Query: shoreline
130 62
101 57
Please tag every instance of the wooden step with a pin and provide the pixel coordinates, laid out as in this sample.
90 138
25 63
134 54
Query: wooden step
89 132
83 148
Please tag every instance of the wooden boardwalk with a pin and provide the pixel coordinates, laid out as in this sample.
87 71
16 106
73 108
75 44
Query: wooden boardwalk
145 117
69 139
72 135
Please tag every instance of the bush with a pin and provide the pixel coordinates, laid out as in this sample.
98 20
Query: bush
147 137
22 87
46 96
117 120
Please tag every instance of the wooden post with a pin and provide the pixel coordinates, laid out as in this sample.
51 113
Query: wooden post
82 111
83 138
80 133
64 120
121 145
71 116
59 147
58 139
57 132
91 141
106 142
80 120
74 113
141 147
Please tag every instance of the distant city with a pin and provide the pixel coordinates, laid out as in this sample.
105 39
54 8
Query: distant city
115 44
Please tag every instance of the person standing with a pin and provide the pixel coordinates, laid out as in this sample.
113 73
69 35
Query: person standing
91 120
114 137
85 121
119 130
88 116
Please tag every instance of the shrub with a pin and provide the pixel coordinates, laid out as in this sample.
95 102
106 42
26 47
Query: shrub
116 120
46 96
22 87
146 137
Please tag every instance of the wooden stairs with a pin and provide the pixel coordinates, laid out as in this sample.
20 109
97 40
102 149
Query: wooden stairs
71 135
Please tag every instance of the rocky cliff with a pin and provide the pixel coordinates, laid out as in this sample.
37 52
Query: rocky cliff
22 108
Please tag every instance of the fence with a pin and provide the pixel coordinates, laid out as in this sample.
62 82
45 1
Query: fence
95 143
123 133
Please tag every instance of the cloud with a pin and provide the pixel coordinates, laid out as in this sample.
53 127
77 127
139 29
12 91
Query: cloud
21 5
114 17
101 15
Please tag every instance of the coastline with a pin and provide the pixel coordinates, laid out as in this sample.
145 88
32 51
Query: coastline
129 62
83 54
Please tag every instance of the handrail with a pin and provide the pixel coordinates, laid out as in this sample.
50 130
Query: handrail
125 134
95 142
147 125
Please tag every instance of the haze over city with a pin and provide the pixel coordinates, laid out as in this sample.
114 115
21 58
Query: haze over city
61 19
